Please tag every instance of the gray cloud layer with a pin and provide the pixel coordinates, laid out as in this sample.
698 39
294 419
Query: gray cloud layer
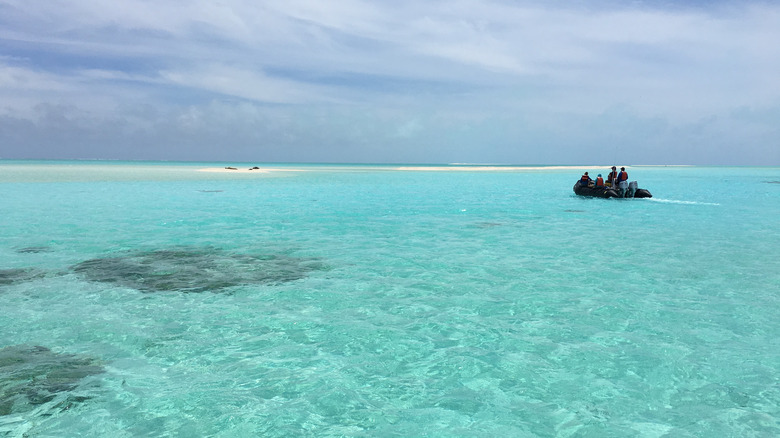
465 81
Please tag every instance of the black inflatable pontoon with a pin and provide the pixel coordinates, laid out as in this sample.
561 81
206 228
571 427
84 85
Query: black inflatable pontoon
609 192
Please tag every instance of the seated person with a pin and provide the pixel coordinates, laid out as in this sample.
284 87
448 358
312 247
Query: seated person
585 180
599 181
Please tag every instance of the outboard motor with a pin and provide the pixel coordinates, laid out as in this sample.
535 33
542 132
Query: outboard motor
632 187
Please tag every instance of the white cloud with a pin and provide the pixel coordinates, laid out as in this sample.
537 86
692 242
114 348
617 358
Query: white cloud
17 78
478 61
246 84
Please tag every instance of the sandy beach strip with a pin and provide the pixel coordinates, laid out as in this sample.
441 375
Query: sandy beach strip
443 168
488 168
248 170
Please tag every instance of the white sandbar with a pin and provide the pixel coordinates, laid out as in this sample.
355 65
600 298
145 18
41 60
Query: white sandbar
487 168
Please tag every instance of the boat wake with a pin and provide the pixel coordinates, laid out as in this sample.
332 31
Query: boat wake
674 201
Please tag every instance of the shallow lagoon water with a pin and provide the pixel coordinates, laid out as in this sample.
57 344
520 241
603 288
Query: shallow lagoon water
368 301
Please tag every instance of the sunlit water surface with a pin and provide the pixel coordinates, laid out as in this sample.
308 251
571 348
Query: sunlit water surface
156 300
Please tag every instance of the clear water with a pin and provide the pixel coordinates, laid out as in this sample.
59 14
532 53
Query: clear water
366 301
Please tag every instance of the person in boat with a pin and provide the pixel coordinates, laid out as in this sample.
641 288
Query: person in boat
585 180
599 181
612 177
622 180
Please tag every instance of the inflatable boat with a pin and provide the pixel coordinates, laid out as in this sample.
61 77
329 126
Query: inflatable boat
610 192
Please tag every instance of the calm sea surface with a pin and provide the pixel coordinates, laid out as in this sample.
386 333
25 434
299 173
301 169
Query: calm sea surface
150 299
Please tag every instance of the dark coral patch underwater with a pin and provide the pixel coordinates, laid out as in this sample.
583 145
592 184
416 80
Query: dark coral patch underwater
33 249
189 269
31 376
18 275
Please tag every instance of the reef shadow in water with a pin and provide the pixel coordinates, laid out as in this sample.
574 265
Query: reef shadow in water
487 224
10 277
33 250
194 269
31 376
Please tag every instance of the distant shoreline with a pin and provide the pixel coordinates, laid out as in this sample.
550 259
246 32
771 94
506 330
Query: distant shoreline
79 170
405 168
248 170
493 168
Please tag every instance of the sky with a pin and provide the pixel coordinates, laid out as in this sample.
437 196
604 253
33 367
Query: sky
402 81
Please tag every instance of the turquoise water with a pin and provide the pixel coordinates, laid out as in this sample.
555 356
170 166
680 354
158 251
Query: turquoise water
368 301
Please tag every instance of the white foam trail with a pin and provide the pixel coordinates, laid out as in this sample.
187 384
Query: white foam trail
673 201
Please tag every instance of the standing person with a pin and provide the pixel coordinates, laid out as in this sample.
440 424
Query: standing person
612 178
622 180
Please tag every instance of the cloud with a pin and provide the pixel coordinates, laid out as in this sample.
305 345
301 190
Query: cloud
450 81
246 84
